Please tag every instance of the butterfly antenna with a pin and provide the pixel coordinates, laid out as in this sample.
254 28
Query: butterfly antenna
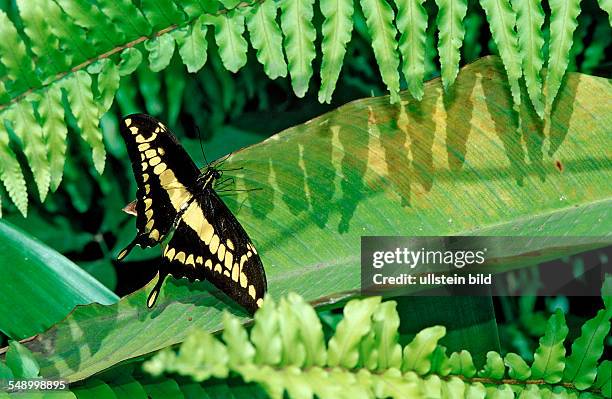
201 145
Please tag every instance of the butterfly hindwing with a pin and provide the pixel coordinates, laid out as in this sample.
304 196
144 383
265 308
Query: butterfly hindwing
165 175
209 243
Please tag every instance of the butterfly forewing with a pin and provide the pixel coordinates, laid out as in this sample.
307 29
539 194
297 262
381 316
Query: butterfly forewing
165 175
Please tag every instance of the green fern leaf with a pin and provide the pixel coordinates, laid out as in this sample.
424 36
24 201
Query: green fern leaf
379 19
193 45
549 358
161 14
127 17
80 97
294 351
390 384
264 335
11 175
72 38
130 60
503 391
451 33
31 135
494 368
108 83
300 35
385 325
229 30
440 363
501 22
517 368
604 378
412 25
454 388
563 23
581 365
343 348
432 387
100 32
529 20
418 353
461 363
606 5
240 350
18 64
266 38
51 111
337 28
161 49
195 8
310 330
476 390
42 42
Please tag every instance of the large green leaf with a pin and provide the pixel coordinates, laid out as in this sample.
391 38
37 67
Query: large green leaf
39 286
445 165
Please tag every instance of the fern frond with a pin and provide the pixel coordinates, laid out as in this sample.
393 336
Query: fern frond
161 50
80 97
30 133
193 45
501 23
529 21
337 29
581 365
161 13
51 111
43 43
127 17
450 34
604 378
13 55
130 60
606 5
11 175
108 83
549 358
412 25
300 34
100 31
229 30
266 38
379 19
563 23
364 359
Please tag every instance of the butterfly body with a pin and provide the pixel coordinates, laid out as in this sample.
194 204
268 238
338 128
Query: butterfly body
175 199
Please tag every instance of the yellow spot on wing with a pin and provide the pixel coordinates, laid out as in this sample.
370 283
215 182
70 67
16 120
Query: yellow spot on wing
208 264
161 151
134 130
229 259
141 139
154 235
226 273
259 302
149 214
169 253
148 202
122 254
144 165
180 257
214 244
147 189
252 291
154 161
159 168
190 260
144 146
230 244
149 225
128 122
243 280
221 252
218 268
149 153
145 177
199 260
235 272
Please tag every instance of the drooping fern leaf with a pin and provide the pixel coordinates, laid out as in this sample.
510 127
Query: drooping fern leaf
266 38
549 358
451 32
229 30
412 25
11 175
337 29
563 23
529 20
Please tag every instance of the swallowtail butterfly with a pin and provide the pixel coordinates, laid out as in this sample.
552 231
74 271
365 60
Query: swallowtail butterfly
175 199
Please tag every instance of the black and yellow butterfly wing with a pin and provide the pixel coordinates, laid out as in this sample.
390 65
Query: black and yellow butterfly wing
208 242
165 176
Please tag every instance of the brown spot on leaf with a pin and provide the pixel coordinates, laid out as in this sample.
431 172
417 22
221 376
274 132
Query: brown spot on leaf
559 166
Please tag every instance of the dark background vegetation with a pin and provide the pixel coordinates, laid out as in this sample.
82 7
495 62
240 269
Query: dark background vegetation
225 112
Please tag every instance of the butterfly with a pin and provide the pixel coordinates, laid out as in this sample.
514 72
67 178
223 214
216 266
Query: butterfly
176 199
